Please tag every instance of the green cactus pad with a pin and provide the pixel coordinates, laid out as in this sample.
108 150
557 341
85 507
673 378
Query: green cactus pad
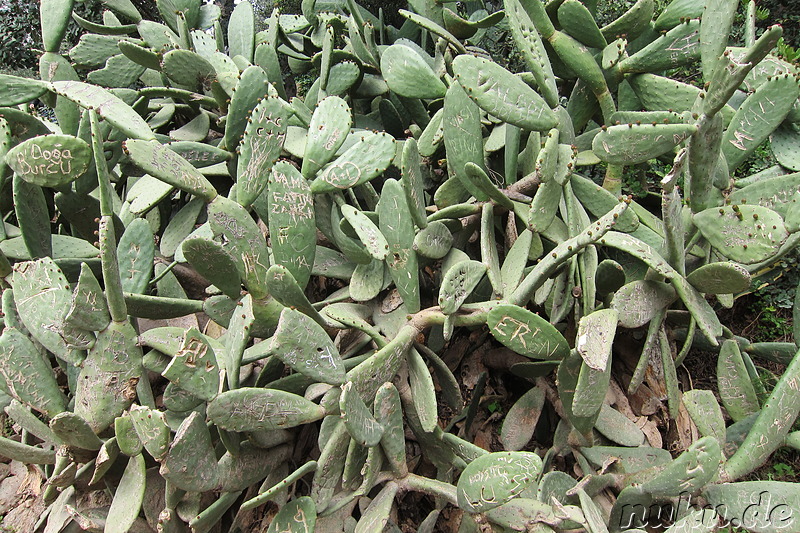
488 245
360 423
501 94
252 87
412 181
109 107
367 232
195 130
302 344
366 159
610 277
16 90
105 459
146 193
128 497
618 428
189 69
423 390
631 459
785 145
158 307
194 367
720 278
578 21
250 465
792 219
746 234
408 74
632 144
706 414
658 93
532 49
29 421
50 160
175 398
389 414
287 292
199 154
357 456
463 141
291 221
758 116
188 9
33 217
599 201
16 451
379 368
152 429
495 478
244 242
434 28
778 193
521 419
252 409
679 46
179 227
590 391
463 28
214 263
127 438
458 283
107 381
568 374
432 136
526 333
161 162
74 431
135 253
513 269
633 22
544 206
55 17
346 241
261 146
770 427
701 310
397 226
191 464
596 336
676 12
297 516
27 375
119 71
330 263
639 301
241 31
43 298
239 328
367 281
376 515
715 23
480 180
327 130
434 241
23 125
690 471
94 50
765 505
140 55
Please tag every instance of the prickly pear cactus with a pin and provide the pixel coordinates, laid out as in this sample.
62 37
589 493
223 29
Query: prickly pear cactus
214 271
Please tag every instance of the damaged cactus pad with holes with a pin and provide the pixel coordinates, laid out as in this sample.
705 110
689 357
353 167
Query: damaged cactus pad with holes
341 271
